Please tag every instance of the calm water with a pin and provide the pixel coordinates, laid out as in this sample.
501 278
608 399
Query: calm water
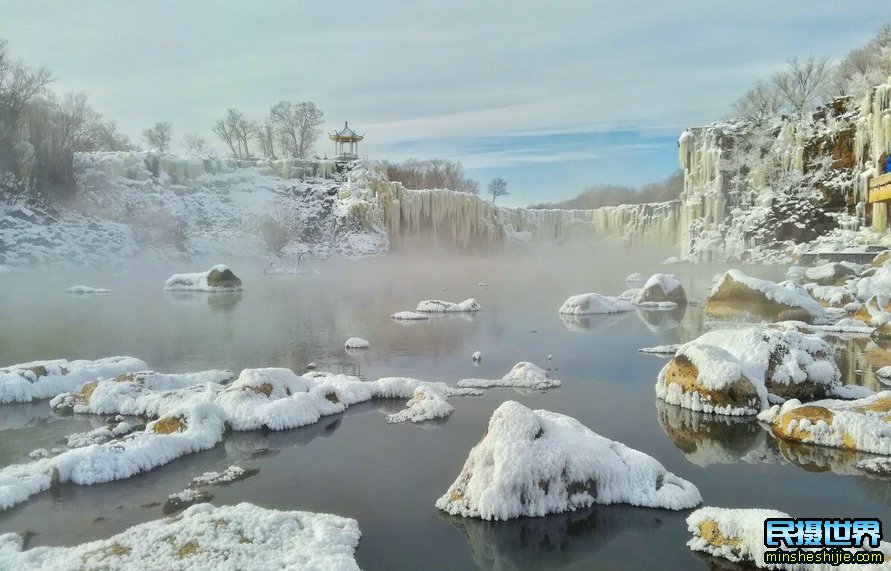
388 476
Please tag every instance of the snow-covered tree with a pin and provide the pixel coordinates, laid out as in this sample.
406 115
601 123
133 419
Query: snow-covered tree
194 144
158 136
758 105
298 126
801 84
236 131
266 140
497 187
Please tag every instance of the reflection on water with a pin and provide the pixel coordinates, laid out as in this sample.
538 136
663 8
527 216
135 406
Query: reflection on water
593 322
553 542
859 357
661 321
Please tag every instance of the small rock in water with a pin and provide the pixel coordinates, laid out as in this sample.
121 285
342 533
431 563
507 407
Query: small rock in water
482 284
550 357
477 356
356 343
311 366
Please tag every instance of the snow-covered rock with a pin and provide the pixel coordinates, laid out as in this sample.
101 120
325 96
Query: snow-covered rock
661 289
439 306
738 296
228 476
82 289
589 303
428 402
833 273
356 343
534 463
241 536
738 536
661 349
523 375
409 316
635 277
861 424
44 379
218 278
186 429
477 356
731 371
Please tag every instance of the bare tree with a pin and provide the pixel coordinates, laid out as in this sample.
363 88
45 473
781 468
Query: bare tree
19 84
266 140
801 83
236 131
297 125
194 144
158 136
471 186
497 187
758 105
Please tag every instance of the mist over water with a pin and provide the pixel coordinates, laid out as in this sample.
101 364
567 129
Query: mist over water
388 476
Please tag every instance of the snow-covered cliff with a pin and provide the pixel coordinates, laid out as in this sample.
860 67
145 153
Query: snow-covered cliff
769 192
159 206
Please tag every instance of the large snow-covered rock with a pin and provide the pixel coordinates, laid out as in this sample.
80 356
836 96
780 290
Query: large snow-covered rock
241 536
218 278
731 371
833 273
738 296
44 379
862 424
439 306
428 402
588 303
738 536
661 289
523 375
534 463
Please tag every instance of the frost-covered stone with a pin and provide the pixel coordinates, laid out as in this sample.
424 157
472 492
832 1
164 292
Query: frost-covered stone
427 403
356 343
439 306
218 278
82 289
534 463
523 375
738 296
44 379
661 289
738 536
732 371
409 316
861 424
241 536
833 273
589 303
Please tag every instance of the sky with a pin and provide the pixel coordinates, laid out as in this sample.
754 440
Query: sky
552 97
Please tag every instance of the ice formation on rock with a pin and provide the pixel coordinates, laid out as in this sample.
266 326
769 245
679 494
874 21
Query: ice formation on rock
82 289
409 316
739 296
439 306
534 463
44 379
589 303
860 424
661 290
218 278
356 343
523 375
731 371
428 402
241 536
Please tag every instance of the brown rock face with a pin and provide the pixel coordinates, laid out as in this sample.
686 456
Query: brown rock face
222 278
735 300
881 258
739 394
882 332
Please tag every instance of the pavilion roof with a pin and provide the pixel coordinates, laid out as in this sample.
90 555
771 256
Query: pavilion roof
346 134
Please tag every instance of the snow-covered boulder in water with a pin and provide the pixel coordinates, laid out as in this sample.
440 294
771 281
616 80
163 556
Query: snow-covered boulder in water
862 424
45 379
439 306
428 402
661 289
241 536
82 289
588 303
356 343
409 316
534 463
731 371
218 278
523 375
738 536
832 274
738 296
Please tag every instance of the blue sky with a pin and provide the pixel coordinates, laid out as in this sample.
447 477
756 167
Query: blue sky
553 97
